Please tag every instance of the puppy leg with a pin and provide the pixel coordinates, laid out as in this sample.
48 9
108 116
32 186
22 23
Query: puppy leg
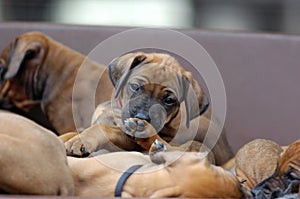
190 146
97 137
67 136
146 135
157 146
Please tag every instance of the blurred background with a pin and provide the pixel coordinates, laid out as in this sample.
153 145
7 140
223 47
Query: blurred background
242 15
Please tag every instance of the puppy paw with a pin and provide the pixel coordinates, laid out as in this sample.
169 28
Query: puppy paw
138 128
157 146
77 148
141 131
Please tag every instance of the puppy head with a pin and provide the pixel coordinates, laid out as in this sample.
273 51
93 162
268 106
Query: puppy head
200 178
18 65
152 87
256 161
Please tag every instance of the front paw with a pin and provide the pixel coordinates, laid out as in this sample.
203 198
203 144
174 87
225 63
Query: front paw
138 128
157 146
78 147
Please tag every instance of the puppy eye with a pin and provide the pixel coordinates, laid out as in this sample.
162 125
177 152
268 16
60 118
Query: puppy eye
169 100
134 87
29 54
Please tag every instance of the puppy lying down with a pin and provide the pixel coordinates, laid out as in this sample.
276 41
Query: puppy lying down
33 162
183 174
256 161
286 177
269 170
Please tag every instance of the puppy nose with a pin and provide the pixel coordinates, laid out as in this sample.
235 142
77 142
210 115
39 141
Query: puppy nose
142 116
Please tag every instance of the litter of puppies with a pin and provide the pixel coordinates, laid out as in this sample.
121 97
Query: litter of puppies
31 155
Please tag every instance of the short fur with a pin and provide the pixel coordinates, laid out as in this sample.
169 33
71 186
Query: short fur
155 111
37 71
286 178
256 161
32 159
182 175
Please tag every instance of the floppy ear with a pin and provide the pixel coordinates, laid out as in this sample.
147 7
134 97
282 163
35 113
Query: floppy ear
22 52
120 68
290 158
195 100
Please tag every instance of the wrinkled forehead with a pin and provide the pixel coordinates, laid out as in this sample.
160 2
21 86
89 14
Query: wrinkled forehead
158 74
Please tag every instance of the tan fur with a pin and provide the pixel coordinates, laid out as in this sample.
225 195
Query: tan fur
290 159
286 176
47 80
256 161
163 70
32 159
229 165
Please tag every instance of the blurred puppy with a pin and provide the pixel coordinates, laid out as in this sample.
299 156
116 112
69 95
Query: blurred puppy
286 177
32 159
37 71
256 161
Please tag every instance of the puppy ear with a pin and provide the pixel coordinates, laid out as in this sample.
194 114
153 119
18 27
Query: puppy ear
195 100
22 53
289 159
120 68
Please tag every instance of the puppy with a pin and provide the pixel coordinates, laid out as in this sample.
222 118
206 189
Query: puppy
37 71
32 159
200 179
286 178
154 93
256 161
